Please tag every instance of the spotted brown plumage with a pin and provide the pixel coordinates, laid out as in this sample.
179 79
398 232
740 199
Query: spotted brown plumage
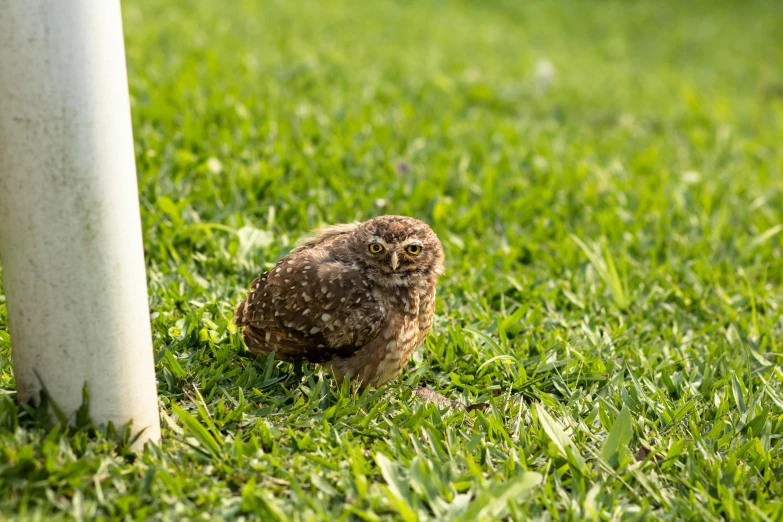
357 298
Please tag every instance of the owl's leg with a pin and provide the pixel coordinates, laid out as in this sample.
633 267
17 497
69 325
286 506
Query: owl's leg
337 370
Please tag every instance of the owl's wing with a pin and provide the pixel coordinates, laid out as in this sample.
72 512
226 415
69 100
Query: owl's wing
309 307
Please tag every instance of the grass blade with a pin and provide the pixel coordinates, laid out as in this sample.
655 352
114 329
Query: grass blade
198 431
615 447
558 436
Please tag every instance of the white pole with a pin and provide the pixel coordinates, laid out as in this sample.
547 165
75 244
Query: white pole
70 231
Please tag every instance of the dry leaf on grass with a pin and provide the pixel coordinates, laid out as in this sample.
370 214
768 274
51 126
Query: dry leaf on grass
443 401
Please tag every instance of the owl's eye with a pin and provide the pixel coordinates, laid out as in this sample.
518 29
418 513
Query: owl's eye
414 250
376 248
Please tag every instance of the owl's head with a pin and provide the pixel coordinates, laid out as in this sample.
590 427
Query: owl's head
398 250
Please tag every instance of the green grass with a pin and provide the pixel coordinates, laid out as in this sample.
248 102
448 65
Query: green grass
613 237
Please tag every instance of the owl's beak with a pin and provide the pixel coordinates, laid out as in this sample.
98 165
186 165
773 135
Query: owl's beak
395 261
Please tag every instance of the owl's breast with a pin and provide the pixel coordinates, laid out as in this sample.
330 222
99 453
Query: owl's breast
403 333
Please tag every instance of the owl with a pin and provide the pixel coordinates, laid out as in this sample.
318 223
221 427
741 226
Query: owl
356 298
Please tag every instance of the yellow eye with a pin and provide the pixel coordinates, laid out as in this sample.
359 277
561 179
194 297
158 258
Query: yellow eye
414 250
376 248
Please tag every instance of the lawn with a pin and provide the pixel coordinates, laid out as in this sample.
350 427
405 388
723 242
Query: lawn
607 181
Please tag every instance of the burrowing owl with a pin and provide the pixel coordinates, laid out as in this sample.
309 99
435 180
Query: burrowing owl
356 298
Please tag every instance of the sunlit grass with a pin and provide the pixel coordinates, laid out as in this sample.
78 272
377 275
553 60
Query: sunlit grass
606 180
